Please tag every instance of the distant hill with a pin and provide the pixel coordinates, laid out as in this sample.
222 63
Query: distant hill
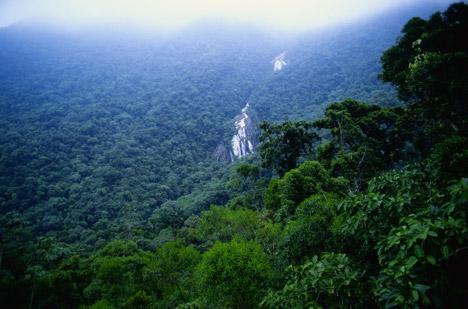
99 130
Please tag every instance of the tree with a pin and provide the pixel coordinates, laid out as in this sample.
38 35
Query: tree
283 144
423 259
118 267
234 274
285 194
429 66
330 281
304 233
169 274
364 140
168 215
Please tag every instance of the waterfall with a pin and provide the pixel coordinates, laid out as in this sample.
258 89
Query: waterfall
241 142
246 137
279 63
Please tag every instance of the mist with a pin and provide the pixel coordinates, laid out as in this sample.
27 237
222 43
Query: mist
292 15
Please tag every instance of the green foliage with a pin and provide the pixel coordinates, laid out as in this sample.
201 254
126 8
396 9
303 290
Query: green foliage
283 144
223 224
449 160
272 198
234 274
429 66
169 274
285 194
403 231
102 304
119 248
138 301
304 235
247 185
364 140
413 254
368 217
121 275
169 215
69 280
310 175
248 170
330 281
118 272
375 216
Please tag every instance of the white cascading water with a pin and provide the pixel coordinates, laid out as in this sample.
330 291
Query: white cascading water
279 63
240 143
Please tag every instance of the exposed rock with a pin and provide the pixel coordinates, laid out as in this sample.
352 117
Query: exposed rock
222 153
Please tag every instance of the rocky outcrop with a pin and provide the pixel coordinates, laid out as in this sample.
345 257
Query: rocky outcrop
222 153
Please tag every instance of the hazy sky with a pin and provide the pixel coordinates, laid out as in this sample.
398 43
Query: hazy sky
285 14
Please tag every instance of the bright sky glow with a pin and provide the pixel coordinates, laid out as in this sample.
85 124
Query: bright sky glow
283 14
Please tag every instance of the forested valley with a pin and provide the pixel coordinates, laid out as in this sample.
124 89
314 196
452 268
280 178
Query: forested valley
356 196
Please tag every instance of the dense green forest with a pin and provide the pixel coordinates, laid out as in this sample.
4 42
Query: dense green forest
111 196
100 132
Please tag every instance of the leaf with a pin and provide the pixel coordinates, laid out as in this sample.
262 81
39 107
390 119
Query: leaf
418 251
410 262
445 252
431 259
422 288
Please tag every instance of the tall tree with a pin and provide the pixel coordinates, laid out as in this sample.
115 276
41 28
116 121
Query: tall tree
429 66
283 144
